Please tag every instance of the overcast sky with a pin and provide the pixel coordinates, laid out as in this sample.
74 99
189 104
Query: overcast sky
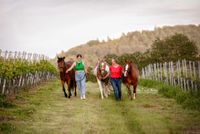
49 26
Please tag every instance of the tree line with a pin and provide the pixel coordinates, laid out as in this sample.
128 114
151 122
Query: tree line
172 48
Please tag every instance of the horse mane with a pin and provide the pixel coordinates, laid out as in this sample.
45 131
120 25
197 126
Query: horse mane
132 65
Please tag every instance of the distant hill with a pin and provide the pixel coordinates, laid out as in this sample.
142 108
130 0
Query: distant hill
131 42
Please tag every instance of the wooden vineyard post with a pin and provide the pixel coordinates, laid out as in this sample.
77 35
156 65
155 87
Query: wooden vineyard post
154 71
178 72
194 70
172 69
9 55
6 55
190 69
186 69
4 86
15 55
143 73
166 73
161 72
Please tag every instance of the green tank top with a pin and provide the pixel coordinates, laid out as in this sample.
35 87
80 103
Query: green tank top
79 66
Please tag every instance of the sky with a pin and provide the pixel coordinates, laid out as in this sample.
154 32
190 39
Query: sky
49 26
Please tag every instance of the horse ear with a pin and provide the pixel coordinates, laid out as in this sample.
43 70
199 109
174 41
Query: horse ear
63 57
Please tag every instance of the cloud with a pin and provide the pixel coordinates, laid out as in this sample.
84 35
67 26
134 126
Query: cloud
49 26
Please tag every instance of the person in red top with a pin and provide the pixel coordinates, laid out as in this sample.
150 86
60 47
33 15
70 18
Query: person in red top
115 79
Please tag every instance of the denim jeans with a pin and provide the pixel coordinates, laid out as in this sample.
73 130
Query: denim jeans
116 84
80 82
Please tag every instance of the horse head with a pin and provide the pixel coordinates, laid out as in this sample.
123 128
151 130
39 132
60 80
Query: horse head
61 63
102 68
127 68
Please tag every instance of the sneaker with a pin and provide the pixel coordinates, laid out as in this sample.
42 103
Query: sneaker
84 97
81 97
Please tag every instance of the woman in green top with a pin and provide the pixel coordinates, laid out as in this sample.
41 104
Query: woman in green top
80 75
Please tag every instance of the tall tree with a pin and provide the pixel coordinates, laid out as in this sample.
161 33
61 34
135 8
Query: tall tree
173 48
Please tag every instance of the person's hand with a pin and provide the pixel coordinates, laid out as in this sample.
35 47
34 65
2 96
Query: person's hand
67 71
86 72
103 78
100 78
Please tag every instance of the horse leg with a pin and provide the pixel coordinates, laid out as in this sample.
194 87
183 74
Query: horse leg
134 91
100 88
69 88
105 90
75 93
109 88
129 91
63 87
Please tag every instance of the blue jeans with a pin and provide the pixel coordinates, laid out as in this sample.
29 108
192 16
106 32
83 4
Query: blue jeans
80 82
116 84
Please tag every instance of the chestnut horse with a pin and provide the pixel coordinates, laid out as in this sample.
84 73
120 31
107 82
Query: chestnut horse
68 78
130 78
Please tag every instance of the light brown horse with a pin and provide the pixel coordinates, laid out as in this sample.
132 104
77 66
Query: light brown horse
68 78
130 78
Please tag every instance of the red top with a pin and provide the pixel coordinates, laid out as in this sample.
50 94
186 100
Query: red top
115 72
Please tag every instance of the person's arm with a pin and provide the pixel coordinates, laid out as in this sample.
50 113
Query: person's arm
106 75
85 68
122 69
72 66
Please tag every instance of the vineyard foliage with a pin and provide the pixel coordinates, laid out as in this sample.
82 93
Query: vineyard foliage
13 68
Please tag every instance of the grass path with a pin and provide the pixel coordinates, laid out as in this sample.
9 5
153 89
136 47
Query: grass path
45 110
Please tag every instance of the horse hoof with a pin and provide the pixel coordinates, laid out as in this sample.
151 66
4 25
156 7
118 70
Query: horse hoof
65 95
134 97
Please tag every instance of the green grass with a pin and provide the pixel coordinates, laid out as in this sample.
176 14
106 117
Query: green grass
7 128
46 110
189 100
4 103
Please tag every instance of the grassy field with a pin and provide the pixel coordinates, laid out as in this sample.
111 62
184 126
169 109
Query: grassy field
45 110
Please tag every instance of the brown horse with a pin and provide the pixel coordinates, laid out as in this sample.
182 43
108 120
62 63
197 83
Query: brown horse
130 78
68 78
